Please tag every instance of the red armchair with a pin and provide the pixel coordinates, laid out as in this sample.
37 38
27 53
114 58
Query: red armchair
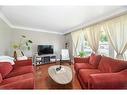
108 73
20 77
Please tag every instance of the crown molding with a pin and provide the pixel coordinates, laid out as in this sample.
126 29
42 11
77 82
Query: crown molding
34 29
3 17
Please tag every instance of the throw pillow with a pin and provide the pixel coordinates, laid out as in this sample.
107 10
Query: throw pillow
5 68
117 65
1 78
94 59
110 65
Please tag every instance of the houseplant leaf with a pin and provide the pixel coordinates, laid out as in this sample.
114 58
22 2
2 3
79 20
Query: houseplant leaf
23 36
30 41
26 44
15 46
28 48
82 54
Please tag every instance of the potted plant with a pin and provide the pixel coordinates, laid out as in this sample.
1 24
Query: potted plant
82 54
24 43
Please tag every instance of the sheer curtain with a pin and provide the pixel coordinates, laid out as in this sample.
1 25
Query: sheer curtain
92 35
76 38
116 30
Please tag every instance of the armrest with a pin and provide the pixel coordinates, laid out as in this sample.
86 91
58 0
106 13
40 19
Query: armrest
108 80
19 84
23 62
81 60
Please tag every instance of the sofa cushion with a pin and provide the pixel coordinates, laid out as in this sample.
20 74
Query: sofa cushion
118 65
108 81
5 68
18 82
85 74
79 66
1 78
20 70
95 59
81 59
110 65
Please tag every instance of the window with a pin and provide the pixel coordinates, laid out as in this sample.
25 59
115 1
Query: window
83 46
86 48
103 44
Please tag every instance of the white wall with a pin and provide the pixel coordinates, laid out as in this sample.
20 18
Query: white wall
40 38
8 36
5 38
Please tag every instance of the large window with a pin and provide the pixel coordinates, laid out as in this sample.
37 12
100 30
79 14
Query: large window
103 44
87 48
83 45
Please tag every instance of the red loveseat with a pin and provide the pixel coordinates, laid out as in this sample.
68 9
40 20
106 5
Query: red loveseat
18 76
100 72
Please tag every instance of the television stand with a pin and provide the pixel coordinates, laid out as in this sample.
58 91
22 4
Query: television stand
43 59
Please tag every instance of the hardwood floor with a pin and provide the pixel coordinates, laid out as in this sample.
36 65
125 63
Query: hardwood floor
43 80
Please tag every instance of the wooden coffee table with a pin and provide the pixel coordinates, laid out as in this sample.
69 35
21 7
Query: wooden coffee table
63 76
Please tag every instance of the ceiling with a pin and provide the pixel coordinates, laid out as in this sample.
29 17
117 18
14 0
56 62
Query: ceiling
56 19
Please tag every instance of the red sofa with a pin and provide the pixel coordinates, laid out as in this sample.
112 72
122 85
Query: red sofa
18 76
101 72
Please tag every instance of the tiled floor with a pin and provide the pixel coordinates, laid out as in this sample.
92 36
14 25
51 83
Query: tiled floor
43 80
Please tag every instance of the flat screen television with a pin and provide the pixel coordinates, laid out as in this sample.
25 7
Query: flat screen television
45 49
